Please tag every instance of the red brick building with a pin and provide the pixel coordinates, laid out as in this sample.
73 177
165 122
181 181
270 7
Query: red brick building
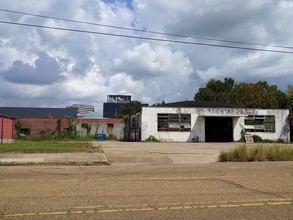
6 129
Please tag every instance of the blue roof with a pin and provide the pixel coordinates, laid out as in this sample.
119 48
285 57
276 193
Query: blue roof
92 115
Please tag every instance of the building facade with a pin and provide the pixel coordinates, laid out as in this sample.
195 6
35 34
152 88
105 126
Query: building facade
82 109
6 129
52 126
207 124
113 105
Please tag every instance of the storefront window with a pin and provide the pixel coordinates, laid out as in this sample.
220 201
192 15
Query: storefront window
259 123
174 122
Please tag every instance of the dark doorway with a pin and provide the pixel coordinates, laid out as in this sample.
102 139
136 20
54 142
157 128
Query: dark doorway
219 129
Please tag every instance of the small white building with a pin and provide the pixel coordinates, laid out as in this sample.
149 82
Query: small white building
207 122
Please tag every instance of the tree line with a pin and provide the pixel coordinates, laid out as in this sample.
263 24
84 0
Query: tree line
246 95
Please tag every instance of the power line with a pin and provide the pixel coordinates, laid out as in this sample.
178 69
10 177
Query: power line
145 31
143 38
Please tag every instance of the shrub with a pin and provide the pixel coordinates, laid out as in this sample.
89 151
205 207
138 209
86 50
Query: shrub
257 139
152 138
111 137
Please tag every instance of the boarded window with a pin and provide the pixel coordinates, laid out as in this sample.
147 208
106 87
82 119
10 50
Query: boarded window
110 126
259 123
25 132
174 122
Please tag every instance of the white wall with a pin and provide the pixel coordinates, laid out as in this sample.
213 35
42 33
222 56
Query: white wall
101 128
149 123
238 123
6 141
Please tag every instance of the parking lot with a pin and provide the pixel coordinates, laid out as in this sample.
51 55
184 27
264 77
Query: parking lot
163 153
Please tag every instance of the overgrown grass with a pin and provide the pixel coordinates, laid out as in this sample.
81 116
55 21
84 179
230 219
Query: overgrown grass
245 153
48 147
57 138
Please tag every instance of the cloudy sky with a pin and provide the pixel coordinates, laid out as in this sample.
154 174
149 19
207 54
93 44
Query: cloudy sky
55 68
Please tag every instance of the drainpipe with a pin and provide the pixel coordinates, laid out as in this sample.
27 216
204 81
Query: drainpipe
2 130
12 129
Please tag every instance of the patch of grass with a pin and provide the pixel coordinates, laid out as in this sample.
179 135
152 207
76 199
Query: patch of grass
56 138
49 147
245 153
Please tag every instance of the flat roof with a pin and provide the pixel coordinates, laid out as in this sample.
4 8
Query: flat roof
34 112
200 104
6 116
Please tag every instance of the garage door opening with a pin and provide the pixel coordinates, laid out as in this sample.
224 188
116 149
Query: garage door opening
219 129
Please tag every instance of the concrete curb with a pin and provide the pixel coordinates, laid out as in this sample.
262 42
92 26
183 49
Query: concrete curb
86 159
13 163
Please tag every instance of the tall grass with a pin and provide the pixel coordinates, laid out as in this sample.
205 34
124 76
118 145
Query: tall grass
245 153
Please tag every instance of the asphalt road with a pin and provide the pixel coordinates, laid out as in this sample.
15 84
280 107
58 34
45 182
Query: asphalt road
148 191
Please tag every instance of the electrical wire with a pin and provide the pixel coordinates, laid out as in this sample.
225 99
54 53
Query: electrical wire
144 38
145 31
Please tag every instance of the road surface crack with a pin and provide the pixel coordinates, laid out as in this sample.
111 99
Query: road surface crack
238 185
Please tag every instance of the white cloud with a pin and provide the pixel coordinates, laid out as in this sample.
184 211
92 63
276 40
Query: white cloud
86 67
89 85
121 82
144 62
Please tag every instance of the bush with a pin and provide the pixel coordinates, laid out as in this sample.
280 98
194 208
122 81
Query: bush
152 138
257 139
244 153
111 137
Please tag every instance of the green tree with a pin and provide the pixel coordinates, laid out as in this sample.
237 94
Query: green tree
247 95
256 95
284 100
217 91
72 132
159 104
129 109
18 127
58 126
290 97
87 127
290 90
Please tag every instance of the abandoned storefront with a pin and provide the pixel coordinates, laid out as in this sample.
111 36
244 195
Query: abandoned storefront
207 122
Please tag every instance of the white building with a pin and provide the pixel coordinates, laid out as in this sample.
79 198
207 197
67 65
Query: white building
82 109
204 122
